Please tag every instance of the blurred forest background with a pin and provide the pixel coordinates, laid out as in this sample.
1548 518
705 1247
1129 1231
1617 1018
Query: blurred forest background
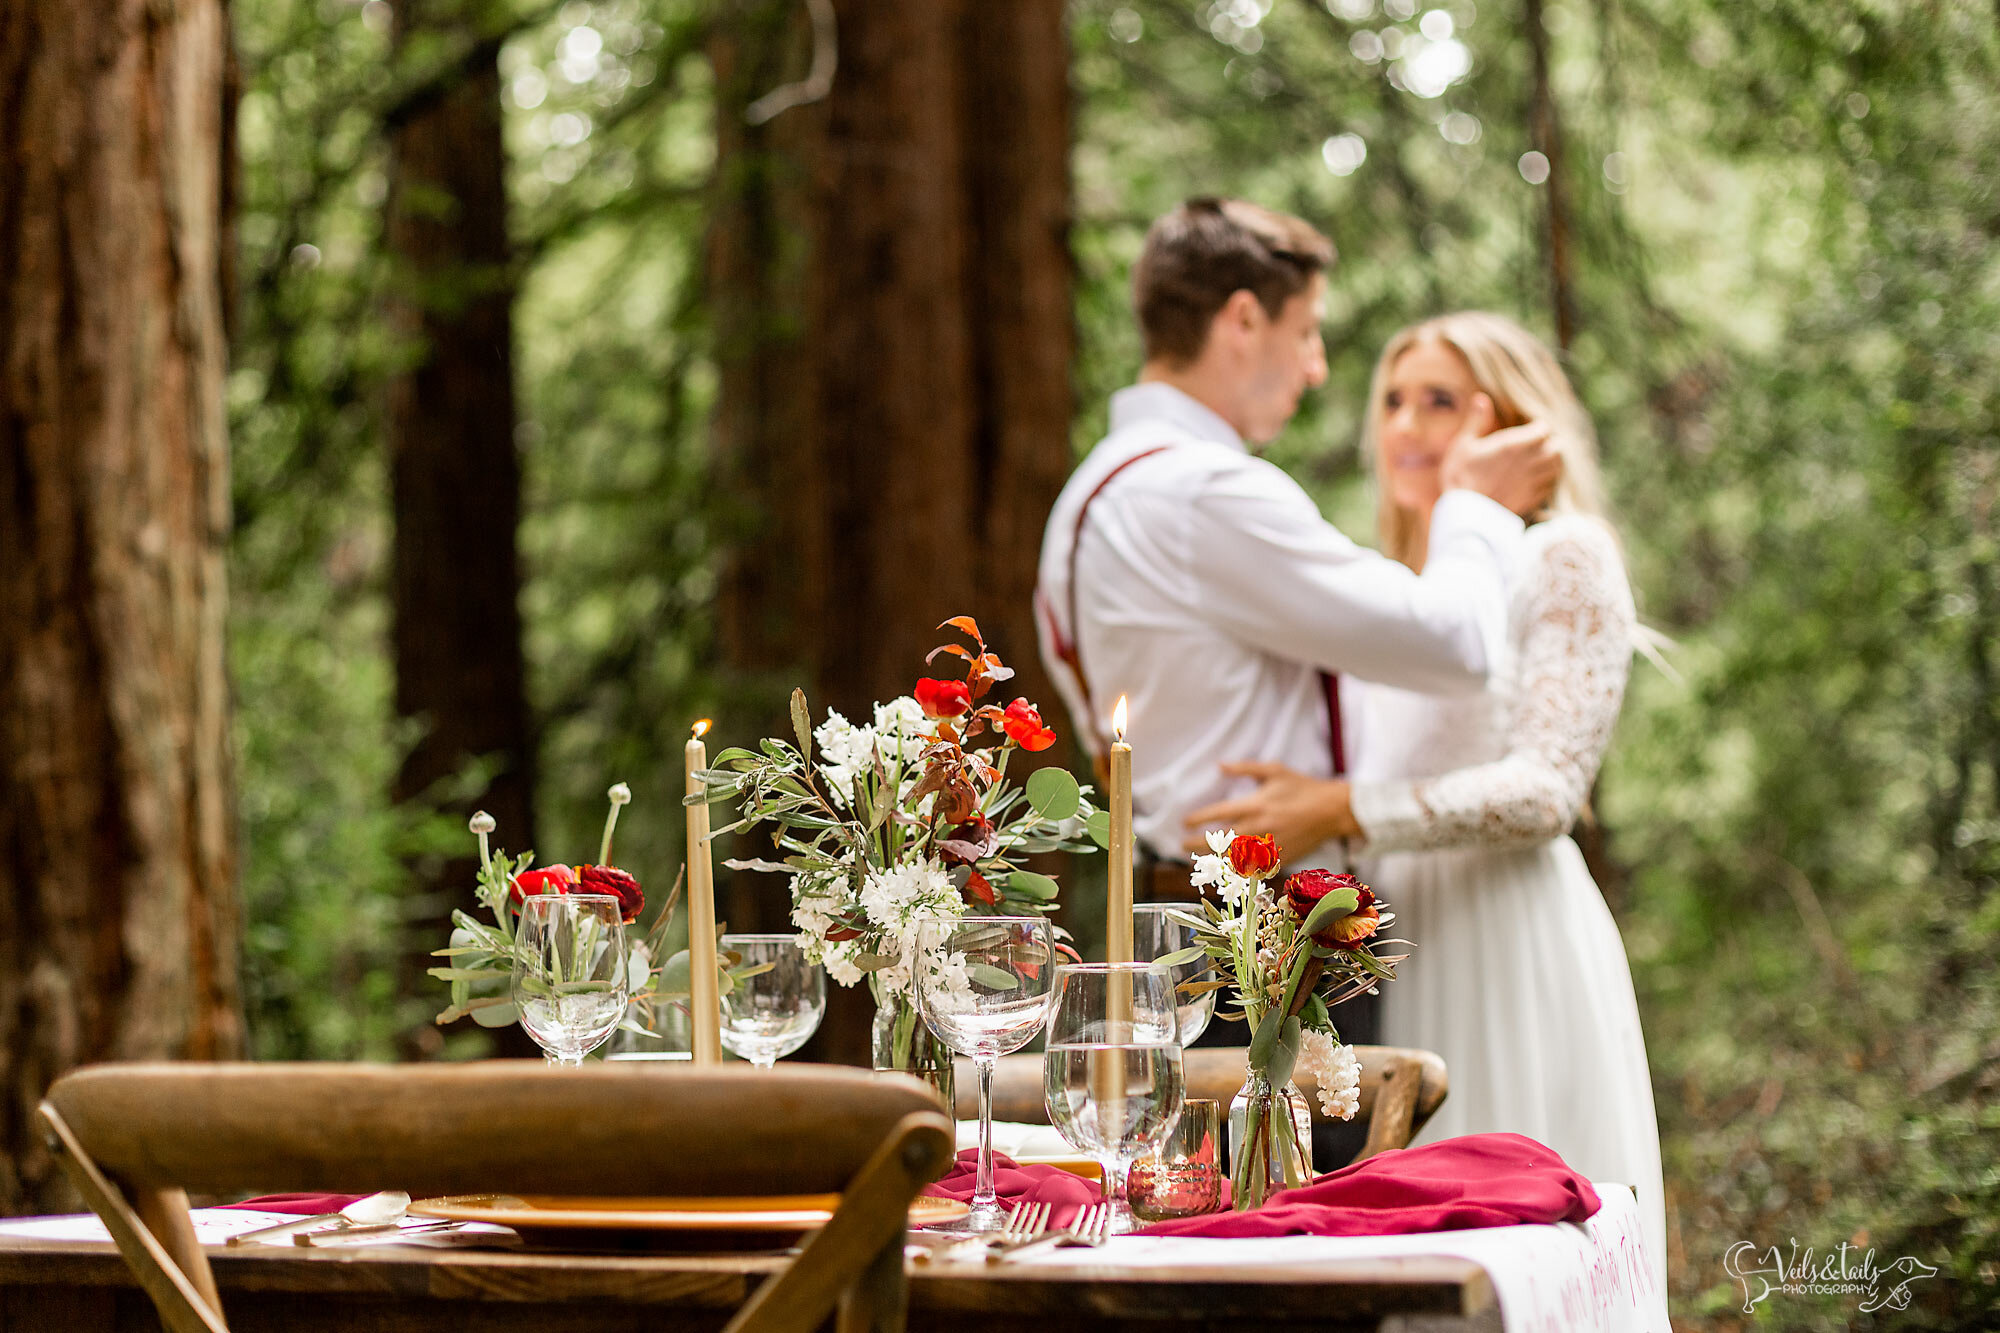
1763 230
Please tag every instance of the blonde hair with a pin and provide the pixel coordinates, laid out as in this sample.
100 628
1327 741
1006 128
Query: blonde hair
1520 374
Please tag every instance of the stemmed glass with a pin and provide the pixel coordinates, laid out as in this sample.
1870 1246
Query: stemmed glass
982 986
1113 1068
569 984
1156 935
769 1014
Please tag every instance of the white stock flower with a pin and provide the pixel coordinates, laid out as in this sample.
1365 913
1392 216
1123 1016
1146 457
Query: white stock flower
1219 840
1336 1070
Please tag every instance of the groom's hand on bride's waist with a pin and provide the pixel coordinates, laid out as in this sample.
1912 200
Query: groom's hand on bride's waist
1517 467
1299 811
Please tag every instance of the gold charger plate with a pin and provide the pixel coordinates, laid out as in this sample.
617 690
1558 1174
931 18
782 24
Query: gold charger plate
660 1223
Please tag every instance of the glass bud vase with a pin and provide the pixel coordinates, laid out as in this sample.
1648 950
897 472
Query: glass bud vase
902 1042
1270 1141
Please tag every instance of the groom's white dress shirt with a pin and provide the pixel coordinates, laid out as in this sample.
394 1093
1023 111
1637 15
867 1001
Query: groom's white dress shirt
1212 594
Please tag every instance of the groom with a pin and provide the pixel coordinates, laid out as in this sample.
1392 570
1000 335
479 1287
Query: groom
1185 573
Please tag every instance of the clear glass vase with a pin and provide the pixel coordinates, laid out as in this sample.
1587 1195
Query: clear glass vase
902 1042
1270 1141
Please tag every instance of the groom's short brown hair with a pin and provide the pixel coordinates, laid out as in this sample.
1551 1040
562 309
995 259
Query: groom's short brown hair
1206 251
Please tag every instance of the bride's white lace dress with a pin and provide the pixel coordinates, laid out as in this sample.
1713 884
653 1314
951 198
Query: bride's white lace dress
1519 978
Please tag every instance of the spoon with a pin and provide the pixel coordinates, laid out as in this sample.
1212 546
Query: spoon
374 1209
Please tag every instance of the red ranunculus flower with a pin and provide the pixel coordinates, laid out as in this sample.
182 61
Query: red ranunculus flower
620 885
549 879
1253 857
1304 890
1024 726
943 698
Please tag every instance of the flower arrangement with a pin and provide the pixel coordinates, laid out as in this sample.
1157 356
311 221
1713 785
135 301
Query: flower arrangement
880 824
480 956
1292 955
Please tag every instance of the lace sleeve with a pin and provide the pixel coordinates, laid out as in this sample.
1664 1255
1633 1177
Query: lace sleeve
1575 650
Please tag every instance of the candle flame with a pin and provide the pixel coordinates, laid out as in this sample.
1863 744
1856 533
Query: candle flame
701 727
1119 718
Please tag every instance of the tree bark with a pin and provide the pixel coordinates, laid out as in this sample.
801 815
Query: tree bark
891 286
455 472
118 913
1545 132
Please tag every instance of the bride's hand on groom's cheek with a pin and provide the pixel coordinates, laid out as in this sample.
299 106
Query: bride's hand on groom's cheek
1300 812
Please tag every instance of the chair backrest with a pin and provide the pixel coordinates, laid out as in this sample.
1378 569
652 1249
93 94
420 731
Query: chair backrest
1401 1088
154 1132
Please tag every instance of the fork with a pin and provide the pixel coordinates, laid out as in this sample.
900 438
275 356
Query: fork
1091 1228
1024 1223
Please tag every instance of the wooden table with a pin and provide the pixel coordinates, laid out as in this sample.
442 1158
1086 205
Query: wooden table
51 1286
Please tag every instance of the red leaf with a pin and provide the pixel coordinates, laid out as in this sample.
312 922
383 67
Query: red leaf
952 648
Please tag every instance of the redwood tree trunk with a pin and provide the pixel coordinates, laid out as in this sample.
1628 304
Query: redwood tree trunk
455 473
118 914
891 283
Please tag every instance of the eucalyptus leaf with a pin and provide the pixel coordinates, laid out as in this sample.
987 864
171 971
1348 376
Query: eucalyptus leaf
1265 1040
1053 793
1029 884
1285 1053
674 975
1098 826
993 978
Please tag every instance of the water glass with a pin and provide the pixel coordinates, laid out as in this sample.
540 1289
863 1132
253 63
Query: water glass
1155 935
569 983
769 1014
982 987
1112 1072
1183 1177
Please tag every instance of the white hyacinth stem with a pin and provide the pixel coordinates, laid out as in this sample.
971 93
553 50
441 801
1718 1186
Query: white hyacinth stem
610 822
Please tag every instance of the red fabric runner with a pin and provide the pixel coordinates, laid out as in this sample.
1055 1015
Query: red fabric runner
1477 1180
1065 1190
301 1205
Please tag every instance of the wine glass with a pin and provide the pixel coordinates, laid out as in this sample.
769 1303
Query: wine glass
767 1016
1112 1074
982 986
1155 935
569 983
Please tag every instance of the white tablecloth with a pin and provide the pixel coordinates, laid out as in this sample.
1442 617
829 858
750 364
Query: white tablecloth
1548 1279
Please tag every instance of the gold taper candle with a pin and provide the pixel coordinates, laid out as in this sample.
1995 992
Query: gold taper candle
704 987
1118 889
1107 1072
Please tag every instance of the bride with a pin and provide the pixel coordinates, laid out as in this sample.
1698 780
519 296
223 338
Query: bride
1462 806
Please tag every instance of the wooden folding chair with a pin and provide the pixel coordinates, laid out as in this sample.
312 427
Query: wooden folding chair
136 1138
1401 1089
